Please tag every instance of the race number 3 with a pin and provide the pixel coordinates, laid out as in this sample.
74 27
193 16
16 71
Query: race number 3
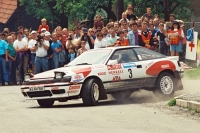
130 73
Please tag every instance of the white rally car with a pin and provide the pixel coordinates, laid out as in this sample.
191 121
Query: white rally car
118 71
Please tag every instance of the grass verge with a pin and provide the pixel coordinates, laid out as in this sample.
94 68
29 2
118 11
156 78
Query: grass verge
193 74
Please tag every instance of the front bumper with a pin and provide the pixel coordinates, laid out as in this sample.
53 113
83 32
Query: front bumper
50 91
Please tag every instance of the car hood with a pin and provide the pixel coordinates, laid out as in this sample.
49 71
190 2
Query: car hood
85 70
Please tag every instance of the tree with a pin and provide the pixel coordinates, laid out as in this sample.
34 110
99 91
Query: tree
177 7
85 9
45 9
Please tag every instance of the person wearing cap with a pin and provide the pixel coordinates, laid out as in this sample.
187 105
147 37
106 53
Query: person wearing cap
175 35
43 26
32 48
41 59
86 36
21 48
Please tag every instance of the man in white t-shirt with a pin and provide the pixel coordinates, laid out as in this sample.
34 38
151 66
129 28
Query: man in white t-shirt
100 42
32 48
26 32
41 59
21 48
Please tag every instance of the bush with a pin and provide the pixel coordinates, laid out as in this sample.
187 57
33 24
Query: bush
172 102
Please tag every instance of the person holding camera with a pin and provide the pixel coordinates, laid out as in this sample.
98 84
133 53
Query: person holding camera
89 41
31 47
71 41
41 59
57 47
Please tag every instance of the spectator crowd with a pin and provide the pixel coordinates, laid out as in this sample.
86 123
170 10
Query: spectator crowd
37 51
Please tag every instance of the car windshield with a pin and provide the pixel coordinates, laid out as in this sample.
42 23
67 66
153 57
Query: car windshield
91 57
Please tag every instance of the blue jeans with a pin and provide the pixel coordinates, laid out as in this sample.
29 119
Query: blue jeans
33 58
12 71
3 72
41 62
51 64
56 60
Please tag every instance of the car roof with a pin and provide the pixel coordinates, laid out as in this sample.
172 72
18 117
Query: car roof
120 47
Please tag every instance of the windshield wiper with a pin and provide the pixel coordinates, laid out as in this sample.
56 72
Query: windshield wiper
83 64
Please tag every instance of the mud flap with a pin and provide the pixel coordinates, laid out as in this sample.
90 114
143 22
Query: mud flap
178 82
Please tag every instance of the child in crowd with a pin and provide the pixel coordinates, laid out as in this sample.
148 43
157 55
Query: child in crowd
43 25
122 41
167 41
98 22
124 18
160 35
82 49
72 54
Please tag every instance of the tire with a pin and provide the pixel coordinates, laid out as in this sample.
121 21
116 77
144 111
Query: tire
45 103
90 92
121 95
165 85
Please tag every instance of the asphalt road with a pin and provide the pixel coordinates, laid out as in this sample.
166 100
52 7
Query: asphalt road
110 116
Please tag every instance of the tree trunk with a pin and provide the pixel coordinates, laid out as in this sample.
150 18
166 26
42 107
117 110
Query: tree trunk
120 8
108 10
166 13
63 20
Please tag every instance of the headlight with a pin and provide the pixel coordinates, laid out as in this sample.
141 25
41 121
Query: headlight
27 77
59 75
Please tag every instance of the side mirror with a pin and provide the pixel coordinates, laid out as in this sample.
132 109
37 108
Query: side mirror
112 62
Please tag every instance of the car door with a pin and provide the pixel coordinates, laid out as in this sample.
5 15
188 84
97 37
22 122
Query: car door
123 75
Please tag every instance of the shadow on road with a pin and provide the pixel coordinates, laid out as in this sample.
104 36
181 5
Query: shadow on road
136 98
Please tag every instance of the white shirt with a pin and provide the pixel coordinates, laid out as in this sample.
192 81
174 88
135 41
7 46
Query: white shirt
41 51
100 44
74 41
25 39
19 44
31 44
87 46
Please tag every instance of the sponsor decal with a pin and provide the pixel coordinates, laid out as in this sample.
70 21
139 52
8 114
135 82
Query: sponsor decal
54 88
77 77
74 87
115 69
129 65
165 66
157 67
101 73
116 72
116 78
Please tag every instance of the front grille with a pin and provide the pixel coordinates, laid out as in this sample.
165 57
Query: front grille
61 91
39 93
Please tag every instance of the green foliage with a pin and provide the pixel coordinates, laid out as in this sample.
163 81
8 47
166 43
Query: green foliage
177 7
172 102
86 9
194 73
